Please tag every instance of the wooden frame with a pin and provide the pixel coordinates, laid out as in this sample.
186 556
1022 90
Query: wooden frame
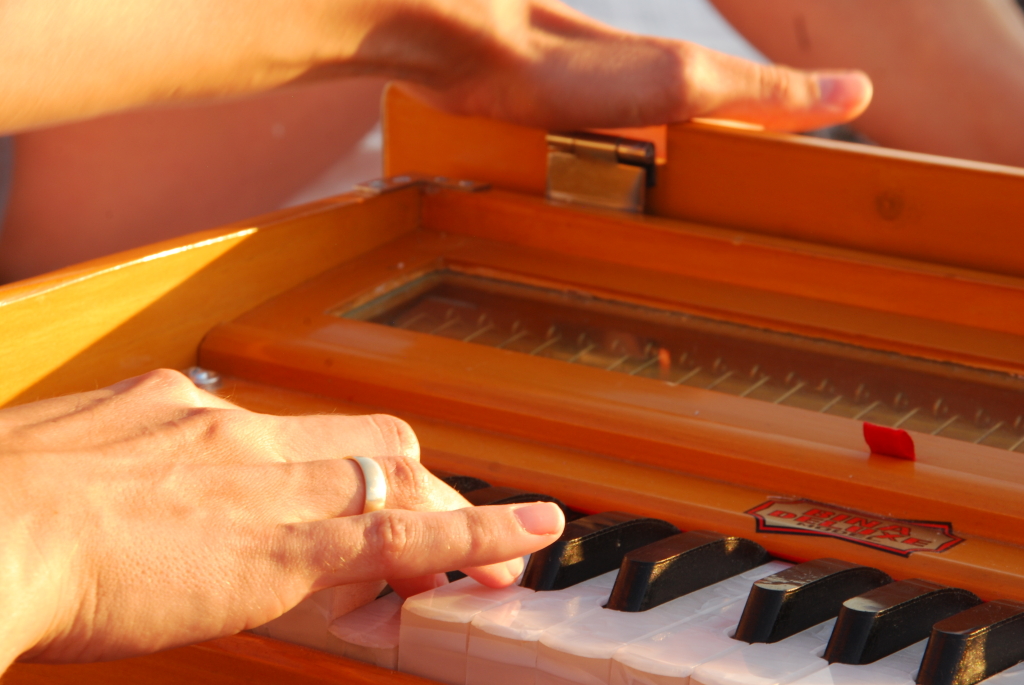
799 235
295 342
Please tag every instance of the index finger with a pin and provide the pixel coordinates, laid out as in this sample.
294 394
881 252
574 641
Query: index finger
398 544
779 98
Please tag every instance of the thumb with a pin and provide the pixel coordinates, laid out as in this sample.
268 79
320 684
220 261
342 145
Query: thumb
776 97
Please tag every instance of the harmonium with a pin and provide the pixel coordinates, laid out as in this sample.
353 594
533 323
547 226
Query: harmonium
775 381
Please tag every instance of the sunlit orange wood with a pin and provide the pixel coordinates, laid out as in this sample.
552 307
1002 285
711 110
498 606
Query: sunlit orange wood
596 482
94 324
787 450
844 294
303 311
240 660
924 207
418 139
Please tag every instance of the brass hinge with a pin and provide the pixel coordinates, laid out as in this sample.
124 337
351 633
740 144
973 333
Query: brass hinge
600 171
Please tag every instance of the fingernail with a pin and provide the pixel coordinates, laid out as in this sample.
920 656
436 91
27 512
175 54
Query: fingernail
515 567
843 90
540 518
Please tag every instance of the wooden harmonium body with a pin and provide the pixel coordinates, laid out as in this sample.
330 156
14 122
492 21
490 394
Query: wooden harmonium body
782 404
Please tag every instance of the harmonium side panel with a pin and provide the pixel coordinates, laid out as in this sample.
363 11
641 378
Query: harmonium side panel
239 660
94 324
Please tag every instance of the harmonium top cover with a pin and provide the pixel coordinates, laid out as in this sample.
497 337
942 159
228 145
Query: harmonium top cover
714 359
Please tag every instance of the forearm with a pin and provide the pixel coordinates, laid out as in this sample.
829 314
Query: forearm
947 73
72 59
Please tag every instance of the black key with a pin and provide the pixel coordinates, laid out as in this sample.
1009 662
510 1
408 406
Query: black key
590 546
480 492
503 495
461 484
889 618
678 565
974 645
802 596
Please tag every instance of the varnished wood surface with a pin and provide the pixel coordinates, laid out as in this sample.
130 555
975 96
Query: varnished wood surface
292 343
922 207
595 481
240 660
92 325
882 302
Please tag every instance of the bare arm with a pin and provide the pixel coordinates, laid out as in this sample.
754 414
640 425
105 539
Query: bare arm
948 74
529 61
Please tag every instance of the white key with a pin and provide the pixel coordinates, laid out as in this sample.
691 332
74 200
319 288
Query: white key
503 640
369 633
1011 676
769 664
899 668
670 655
434 635
580 650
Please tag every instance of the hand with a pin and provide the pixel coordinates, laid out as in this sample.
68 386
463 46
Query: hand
152 514
533 62
540 63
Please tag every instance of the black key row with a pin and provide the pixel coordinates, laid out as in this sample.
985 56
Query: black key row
968 640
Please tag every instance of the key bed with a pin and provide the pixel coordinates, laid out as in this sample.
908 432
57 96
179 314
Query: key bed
689 608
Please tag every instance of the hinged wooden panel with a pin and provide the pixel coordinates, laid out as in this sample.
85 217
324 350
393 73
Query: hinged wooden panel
925 207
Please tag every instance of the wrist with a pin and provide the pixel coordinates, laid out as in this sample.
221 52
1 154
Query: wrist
434 43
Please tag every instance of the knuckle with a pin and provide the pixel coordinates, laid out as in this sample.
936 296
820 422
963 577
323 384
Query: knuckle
389 538
396 436
694 74
479 528
167 382
409 482
775 84
221 429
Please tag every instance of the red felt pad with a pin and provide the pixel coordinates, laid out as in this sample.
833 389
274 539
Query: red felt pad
889 442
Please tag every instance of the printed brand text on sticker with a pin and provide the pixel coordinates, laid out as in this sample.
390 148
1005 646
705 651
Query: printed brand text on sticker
803 517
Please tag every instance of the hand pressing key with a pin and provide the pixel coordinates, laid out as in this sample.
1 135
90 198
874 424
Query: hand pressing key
152 514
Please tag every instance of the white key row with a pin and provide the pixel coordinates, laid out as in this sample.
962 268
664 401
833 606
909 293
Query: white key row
466 634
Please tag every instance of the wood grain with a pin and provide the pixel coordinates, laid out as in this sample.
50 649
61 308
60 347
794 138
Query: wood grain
863 298
89 326
924 207
292 341
239 660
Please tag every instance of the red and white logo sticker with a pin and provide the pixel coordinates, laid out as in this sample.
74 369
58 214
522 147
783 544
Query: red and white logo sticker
803 517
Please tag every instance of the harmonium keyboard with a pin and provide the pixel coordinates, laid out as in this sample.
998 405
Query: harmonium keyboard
774 381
